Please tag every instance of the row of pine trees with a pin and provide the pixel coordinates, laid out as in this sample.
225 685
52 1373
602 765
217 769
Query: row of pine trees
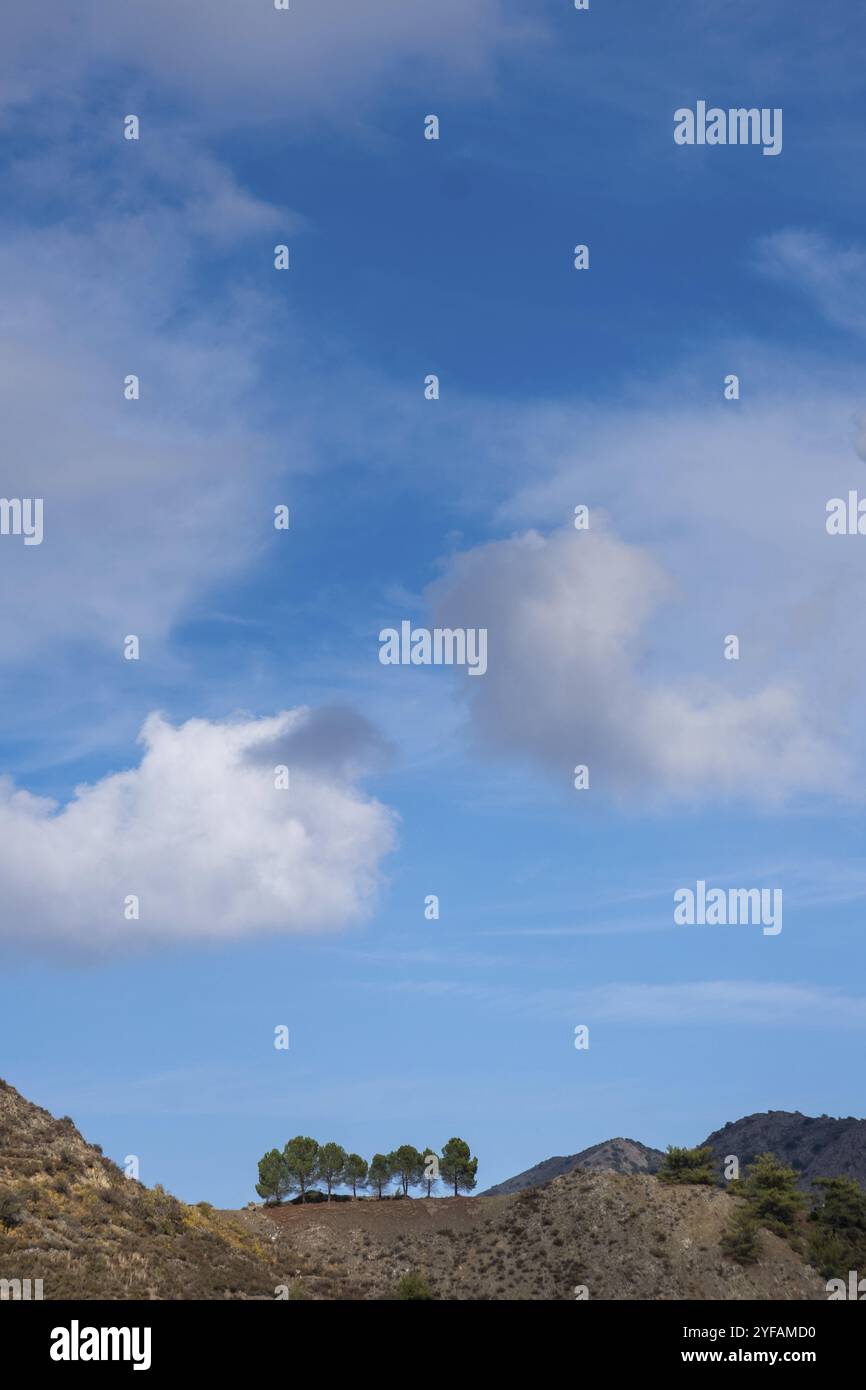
304 1164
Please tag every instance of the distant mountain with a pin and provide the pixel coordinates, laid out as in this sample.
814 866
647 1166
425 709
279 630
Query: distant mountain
815 1147
612 1156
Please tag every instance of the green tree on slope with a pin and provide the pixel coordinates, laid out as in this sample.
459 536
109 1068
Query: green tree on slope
687 1166
770 1189
407 1166
379 1174
273 1183
331 1165
355 1173
457 1167
300 1157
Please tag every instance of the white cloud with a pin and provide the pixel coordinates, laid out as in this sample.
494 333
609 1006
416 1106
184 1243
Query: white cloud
832 276
571 619
690 1003
199 832
746 1002
240 58
168 494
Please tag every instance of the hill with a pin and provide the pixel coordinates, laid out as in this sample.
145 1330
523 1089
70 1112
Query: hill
622 1236
611 1156
815 1147
69 1217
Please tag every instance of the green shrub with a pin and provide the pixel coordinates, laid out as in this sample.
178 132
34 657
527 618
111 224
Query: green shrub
771 1192
687 1166
11 1212
740 1237
838 1238
413 1286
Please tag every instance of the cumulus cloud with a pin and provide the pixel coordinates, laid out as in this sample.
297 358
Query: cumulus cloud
333 740
731 499
202 836
571 620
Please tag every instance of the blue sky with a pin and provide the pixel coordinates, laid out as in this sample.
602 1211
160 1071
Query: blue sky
305 387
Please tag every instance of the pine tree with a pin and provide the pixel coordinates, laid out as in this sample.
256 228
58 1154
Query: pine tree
300 1156
379 1174
430 1176
740 1237
838 1240
770 1188
355 1174
456 1166
407 1165
331 1165
273 1183
687 1166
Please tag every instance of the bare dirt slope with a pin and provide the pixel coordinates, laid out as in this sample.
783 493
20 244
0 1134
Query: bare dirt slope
622 1236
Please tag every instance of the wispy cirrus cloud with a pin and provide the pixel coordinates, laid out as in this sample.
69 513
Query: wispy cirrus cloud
830 274
699 1003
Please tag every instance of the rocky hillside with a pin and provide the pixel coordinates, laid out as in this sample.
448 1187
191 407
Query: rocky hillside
613 1156
620 1236
70 1217
815 1147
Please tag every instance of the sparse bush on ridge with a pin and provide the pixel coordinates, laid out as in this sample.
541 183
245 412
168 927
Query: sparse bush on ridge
834 1233
687 1166
413 1287
740 1238
838 1237
11 1211
770 1189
